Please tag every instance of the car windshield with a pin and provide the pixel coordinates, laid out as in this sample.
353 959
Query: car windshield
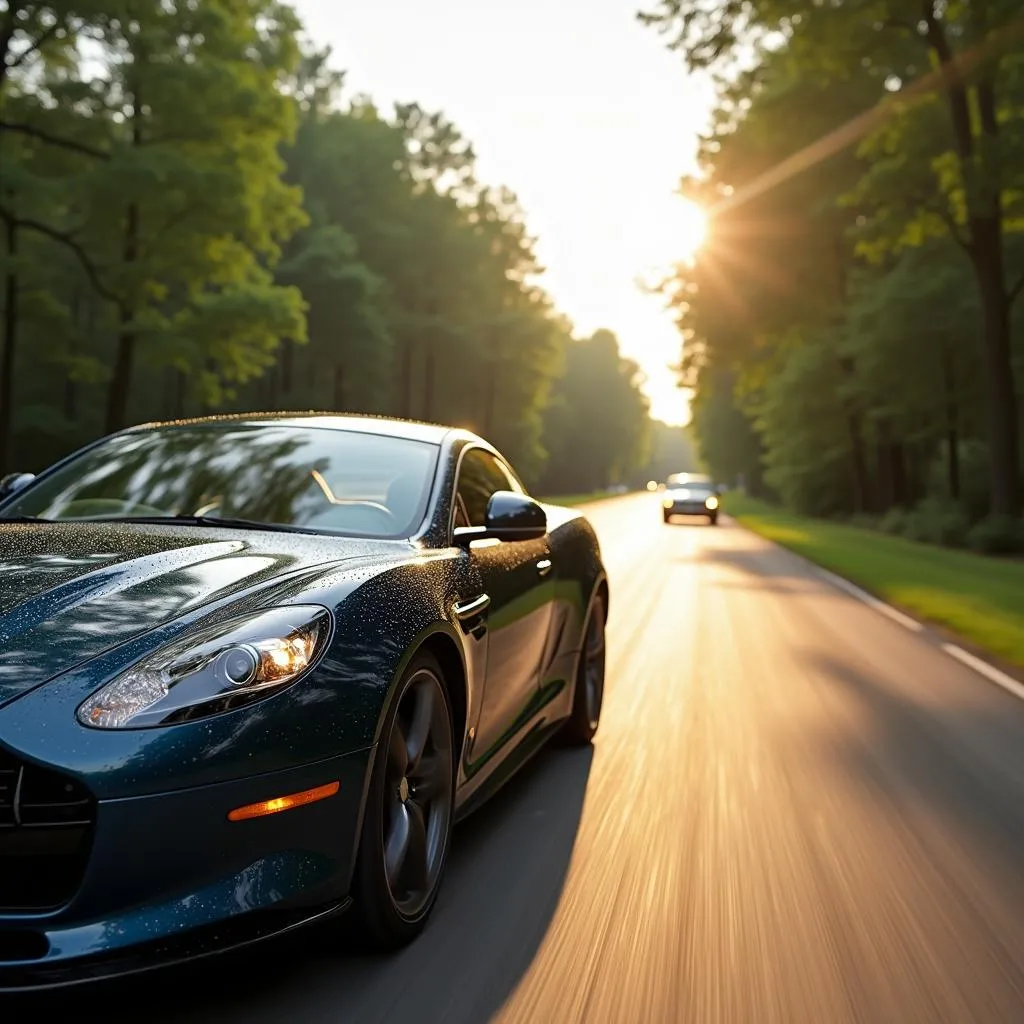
322 479
695 487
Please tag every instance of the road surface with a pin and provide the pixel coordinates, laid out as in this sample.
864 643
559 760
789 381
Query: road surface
795 811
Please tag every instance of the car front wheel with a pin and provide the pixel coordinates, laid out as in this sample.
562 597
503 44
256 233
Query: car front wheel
588 698
408 818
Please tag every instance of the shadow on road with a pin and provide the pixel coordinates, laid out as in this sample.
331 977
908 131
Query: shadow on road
505 876
766 568
963 760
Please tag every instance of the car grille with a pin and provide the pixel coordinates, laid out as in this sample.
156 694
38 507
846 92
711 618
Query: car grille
46 826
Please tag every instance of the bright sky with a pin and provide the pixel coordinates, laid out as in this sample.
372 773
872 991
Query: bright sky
579 110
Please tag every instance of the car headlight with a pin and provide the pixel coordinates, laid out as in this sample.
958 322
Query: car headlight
667 502
711 503
212 670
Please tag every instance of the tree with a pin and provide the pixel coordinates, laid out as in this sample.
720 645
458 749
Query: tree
204 222
928 58
598 427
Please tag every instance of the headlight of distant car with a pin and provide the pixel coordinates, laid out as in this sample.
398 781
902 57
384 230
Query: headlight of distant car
212 670
711 504
667 502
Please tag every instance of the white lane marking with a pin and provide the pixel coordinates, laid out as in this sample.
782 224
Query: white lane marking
870 599
983 668
990 672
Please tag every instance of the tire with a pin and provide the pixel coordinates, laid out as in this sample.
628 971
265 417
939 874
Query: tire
713 520
666 517
588 698
394 894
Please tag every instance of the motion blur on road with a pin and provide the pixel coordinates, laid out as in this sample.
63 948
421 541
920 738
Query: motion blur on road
795 810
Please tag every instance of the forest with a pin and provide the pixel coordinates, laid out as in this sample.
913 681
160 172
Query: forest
852 327
196 215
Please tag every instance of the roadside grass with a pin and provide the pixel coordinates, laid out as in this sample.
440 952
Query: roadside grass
581 499
979 598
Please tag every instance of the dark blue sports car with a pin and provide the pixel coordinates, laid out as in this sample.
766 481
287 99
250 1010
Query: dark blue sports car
253 668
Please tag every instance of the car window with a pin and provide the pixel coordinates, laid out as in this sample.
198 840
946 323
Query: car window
480 475
336 481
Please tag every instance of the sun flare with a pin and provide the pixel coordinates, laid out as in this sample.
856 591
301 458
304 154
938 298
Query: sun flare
691 224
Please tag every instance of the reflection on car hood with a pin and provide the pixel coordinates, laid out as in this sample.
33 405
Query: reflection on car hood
69 592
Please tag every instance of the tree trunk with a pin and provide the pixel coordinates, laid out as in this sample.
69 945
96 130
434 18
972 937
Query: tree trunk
858 457
898 473
987 259
885 482
339 387
405 381
121 381
180 393
985 247
9 348
490 398
70 389
952 427
428 383
287 356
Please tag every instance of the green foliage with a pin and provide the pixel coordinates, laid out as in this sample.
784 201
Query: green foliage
195 219
863 176
597 423
997 535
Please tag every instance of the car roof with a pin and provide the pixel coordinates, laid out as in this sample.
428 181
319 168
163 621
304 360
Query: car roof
432 433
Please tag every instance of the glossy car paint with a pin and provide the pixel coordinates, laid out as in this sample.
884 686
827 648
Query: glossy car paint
81 602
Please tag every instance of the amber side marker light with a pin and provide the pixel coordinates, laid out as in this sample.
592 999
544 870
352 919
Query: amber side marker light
284 803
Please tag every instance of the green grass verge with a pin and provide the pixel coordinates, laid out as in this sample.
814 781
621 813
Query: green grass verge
580 499
979 598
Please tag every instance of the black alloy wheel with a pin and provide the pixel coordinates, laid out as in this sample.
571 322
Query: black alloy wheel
407 828
588 699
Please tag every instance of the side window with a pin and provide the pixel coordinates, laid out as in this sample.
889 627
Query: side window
480 475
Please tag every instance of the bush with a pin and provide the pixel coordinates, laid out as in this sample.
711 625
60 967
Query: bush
997 535
938 521
974 476
865 521
895 522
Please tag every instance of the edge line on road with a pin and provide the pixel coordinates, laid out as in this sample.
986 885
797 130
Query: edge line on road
979 665
990 672
869 599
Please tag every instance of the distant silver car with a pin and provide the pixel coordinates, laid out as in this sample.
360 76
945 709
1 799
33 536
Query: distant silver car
690 494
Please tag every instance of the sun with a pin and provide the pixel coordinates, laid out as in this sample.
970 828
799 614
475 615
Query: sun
691 228
671 233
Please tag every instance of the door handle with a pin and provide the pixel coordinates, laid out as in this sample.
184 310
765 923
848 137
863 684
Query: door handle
472 608
544 567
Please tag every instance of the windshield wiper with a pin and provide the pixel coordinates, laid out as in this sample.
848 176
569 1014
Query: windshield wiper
225 522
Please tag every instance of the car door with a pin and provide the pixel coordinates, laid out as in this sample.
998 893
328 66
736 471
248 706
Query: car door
516 578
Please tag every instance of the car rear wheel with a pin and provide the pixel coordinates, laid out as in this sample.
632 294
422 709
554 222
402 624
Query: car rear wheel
408 818
588 699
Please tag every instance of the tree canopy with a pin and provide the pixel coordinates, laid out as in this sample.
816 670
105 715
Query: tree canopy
196 216
852 324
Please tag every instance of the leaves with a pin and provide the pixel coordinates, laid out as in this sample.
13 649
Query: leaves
862 174
205 221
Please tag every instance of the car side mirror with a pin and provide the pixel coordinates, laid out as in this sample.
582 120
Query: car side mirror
510 516
14 482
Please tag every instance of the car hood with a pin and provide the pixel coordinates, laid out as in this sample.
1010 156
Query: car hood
69 592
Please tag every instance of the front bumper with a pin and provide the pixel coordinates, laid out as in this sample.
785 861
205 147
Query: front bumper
689 508
168 877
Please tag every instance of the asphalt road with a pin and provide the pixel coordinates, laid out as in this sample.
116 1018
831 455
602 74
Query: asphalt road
795 810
